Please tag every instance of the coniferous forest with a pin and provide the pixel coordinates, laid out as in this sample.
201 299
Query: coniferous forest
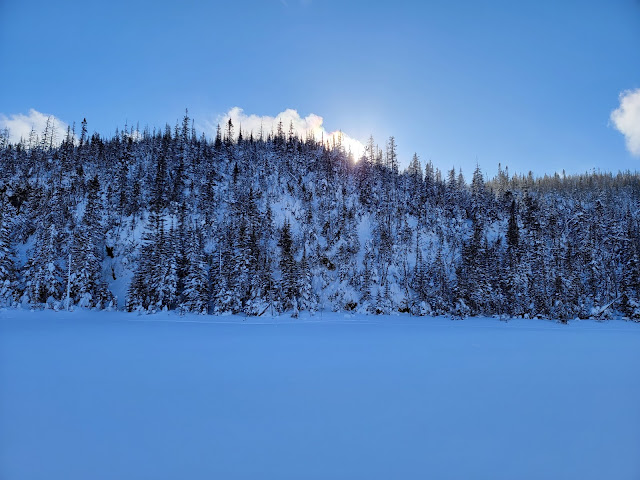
268 222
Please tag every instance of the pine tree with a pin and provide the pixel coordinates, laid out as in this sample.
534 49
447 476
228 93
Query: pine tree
288 266
195 296
154 283
367 273
43 273
308 299
83 133
228 139
559 245
218 141
7 263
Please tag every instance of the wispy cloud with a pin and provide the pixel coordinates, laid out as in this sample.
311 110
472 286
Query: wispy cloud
312 124
626 119
20 125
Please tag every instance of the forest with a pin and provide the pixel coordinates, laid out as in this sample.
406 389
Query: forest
259 223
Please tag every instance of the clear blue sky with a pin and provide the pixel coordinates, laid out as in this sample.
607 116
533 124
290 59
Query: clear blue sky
527 84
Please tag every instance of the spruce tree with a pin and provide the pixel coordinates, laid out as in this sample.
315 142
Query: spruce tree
288 266
195 293
8 287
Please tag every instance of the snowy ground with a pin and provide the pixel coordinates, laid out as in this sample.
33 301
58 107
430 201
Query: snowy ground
119 396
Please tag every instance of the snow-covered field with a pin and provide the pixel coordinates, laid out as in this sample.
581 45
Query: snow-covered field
119 396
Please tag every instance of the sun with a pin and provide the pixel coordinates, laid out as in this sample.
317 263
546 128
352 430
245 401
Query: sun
339 139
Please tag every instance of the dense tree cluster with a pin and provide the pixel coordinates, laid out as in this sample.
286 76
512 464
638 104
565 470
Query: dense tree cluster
259 223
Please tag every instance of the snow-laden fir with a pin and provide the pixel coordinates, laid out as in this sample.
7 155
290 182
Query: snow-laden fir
265 222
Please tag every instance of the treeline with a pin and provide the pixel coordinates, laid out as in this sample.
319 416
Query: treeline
269 223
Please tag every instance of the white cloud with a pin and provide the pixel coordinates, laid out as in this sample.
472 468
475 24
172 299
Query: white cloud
20 125
626 119
312 124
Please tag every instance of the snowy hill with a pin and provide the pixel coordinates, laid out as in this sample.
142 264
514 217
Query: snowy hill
169 220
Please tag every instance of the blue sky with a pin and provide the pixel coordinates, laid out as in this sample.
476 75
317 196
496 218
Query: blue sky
531 85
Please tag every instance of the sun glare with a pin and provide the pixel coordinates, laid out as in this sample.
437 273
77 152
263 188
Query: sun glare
339 139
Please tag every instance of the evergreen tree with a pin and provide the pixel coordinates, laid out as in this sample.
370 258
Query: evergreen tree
288 266
555 246
196 283
43 273
8 287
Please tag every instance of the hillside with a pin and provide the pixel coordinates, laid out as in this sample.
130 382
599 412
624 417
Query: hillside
154 220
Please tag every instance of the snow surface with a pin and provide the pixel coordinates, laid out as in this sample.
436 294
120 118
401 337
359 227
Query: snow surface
110 395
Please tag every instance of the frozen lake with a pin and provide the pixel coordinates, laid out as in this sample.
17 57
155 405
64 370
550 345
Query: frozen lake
120 396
